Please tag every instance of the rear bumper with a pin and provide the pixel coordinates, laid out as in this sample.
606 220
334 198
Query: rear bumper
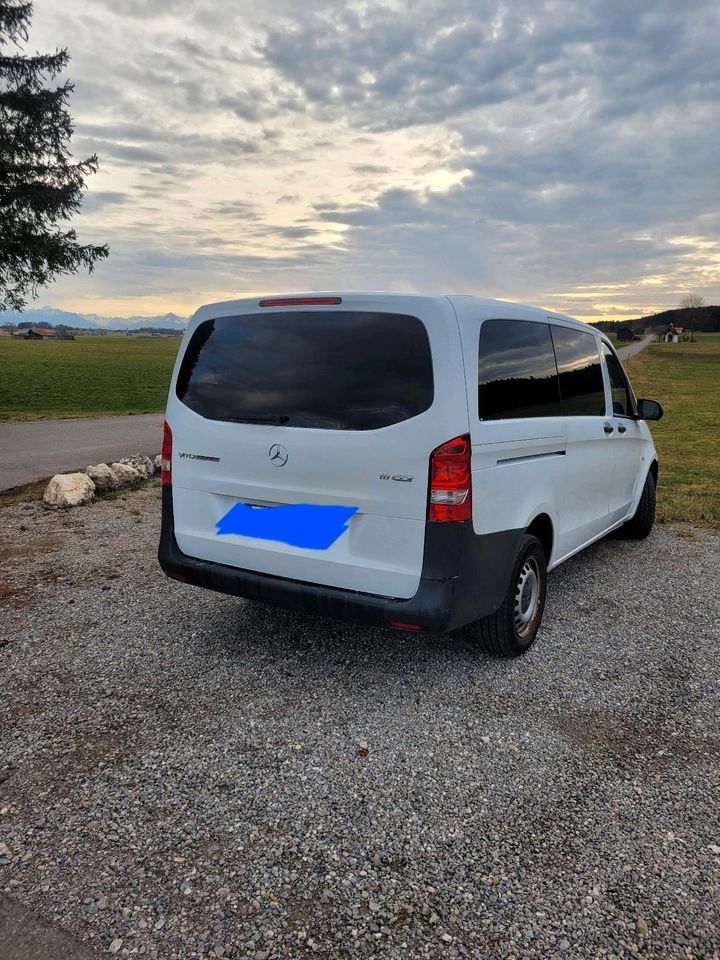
464 577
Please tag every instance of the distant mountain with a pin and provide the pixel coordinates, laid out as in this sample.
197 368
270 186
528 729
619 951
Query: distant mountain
90 321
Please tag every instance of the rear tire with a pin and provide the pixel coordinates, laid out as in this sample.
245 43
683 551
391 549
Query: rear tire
510 631
640 525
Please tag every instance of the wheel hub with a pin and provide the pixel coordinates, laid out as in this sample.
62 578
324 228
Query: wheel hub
527 597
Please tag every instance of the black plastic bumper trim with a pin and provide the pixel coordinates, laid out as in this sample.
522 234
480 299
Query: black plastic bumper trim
464 577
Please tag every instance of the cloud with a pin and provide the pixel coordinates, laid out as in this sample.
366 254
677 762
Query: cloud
584 130
413 63
134 144
235 209
100 199
563 153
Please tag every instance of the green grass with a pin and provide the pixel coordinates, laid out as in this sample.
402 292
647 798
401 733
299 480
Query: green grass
101 376
685 378
87 377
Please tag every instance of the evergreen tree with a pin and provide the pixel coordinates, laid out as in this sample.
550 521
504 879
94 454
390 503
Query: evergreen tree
40 186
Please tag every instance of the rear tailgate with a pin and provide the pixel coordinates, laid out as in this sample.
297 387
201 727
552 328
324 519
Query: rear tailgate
370 386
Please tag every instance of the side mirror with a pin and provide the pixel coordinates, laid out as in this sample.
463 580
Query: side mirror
649 410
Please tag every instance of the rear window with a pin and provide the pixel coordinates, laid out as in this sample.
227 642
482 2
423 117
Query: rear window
517 376
582 389
332 369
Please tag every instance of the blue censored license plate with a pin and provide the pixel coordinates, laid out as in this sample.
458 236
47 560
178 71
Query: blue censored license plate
308 525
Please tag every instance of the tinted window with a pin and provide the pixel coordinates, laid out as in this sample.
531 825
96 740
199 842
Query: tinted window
582 390
516 371
333 369
622 398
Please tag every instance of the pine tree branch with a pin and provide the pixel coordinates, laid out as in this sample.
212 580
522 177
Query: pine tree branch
31 69
40 185
14 20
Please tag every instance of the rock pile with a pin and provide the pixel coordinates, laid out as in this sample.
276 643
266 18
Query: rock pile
126 473
103 476
69 490
75 489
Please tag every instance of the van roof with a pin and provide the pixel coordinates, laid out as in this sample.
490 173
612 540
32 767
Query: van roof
466 306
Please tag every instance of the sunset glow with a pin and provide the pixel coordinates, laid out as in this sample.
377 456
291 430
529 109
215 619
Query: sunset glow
563 160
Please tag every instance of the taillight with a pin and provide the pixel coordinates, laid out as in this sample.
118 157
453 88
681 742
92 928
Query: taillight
450 481
300 301
166 456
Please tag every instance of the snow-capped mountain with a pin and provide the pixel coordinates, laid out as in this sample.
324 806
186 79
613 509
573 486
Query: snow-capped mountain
90 321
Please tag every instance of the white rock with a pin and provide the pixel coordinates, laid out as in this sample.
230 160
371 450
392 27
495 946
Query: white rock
115 945
126 474
141 463
69 490
157 462
102 476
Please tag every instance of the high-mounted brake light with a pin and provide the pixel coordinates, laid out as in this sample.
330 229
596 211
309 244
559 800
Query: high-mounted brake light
300 302
166 456
450 496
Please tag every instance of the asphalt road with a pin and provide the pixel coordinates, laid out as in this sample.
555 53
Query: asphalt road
37 449
626 352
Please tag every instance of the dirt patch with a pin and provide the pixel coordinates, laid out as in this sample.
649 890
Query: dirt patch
625 742
16 550
11 596
24 936
27 491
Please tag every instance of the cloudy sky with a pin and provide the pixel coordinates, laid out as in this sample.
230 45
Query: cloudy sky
564 153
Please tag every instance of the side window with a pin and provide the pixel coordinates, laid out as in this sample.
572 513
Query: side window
517 376
623 404
582 389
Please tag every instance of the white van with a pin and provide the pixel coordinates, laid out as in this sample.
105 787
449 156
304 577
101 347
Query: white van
412 462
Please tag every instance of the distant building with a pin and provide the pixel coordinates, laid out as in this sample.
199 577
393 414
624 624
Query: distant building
62 332
624 334
673 334
38 333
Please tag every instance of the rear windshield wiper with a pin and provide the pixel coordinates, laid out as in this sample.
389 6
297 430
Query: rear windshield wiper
279 419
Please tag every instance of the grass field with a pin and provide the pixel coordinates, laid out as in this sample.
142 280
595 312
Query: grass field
685 378
100 376
87 377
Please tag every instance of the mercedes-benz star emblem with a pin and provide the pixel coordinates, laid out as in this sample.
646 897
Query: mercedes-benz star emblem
278 455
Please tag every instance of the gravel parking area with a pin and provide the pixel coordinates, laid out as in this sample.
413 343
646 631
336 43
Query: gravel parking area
187 775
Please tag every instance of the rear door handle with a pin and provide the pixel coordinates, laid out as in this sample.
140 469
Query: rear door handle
608 428
622 429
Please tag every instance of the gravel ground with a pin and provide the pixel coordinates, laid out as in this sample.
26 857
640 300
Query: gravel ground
189 775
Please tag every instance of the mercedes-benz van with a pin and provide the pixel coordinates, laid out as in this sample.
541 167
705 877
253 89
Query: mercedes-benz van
412 462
